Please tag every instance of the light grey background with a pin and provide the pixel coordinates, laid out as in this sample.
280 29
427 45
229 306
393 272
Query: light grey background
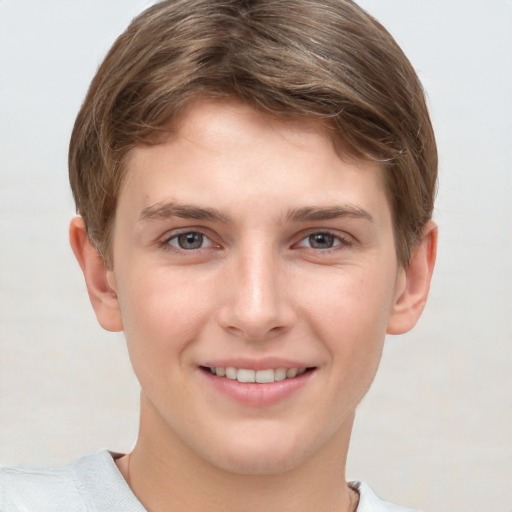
435 432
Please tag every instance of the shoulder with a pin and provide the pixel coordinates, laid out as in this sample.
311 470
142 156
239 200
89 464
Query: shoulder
51 490
369 502
92 483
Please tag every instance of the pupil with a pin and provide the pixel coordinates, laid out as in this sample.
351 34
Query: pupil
190 240
321 240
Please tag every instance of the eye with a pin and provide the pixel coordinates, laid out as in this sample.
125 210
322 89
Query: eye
189 241
322 240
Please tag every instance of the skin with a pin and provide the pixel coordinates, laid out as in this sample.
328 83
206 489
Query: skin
297 262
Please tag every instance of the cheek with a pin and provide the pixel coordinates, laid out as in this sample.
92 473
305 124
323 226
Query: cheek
352 303
350 315
161 316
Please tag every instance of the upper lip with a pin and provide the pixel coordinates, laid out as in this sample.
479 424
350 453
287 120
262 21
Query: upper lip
256 364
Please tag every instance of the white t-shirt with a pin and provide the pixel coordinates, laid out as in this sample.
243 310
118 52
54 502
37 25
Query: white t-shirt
94 484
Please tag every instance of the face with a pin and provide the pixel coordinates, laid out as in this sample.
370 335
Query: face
245 249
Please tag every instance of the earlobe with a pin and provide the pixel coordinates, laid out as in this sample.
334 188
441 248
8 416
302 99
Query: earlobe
411 300
100 281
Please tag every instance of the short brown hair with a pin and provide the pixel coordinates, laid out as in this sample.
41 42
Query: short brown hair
319 59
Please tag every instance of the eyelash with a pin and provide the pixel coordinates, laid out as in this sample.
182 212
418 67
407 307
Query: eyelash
169 247
339 241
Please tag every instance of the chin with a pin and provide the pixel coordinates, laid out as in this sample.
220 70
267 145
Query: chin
259 455
256 464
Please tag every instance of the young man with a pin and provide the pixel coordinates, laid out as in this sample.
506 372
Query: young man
255 183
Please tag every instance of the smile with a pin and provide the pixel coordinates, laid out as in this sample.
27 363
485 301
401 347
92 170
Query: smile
258 376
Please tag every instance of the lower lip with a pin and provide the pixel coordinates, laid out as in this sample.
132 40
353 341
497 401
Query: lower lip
256 394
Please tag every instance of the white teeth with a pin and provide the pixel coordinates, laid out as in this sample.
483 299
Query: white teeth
243 375
230 373
292 372
280 374
263 376
260 376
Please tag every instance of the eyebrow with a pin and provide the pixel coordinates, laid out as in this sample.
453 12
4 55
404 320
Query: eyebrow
313 213
163 211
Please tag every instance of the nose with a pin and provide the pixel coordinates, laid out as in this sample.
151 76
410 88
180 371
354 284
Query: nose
255 296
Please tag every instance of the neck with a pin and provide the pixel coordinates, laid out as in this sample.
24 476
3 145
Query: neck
168 475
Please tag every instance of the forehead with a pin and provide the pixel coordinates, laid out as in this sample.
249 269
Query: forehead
231 145
207 119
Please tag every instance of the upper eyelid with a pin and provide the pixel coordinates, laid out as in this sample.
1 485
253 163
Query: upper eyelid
343 235
344 239
164 240
186 232
166 245
169 235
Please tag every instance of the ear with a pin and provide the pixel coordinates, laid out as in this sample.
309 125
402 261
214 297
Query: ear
413 290
100 281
